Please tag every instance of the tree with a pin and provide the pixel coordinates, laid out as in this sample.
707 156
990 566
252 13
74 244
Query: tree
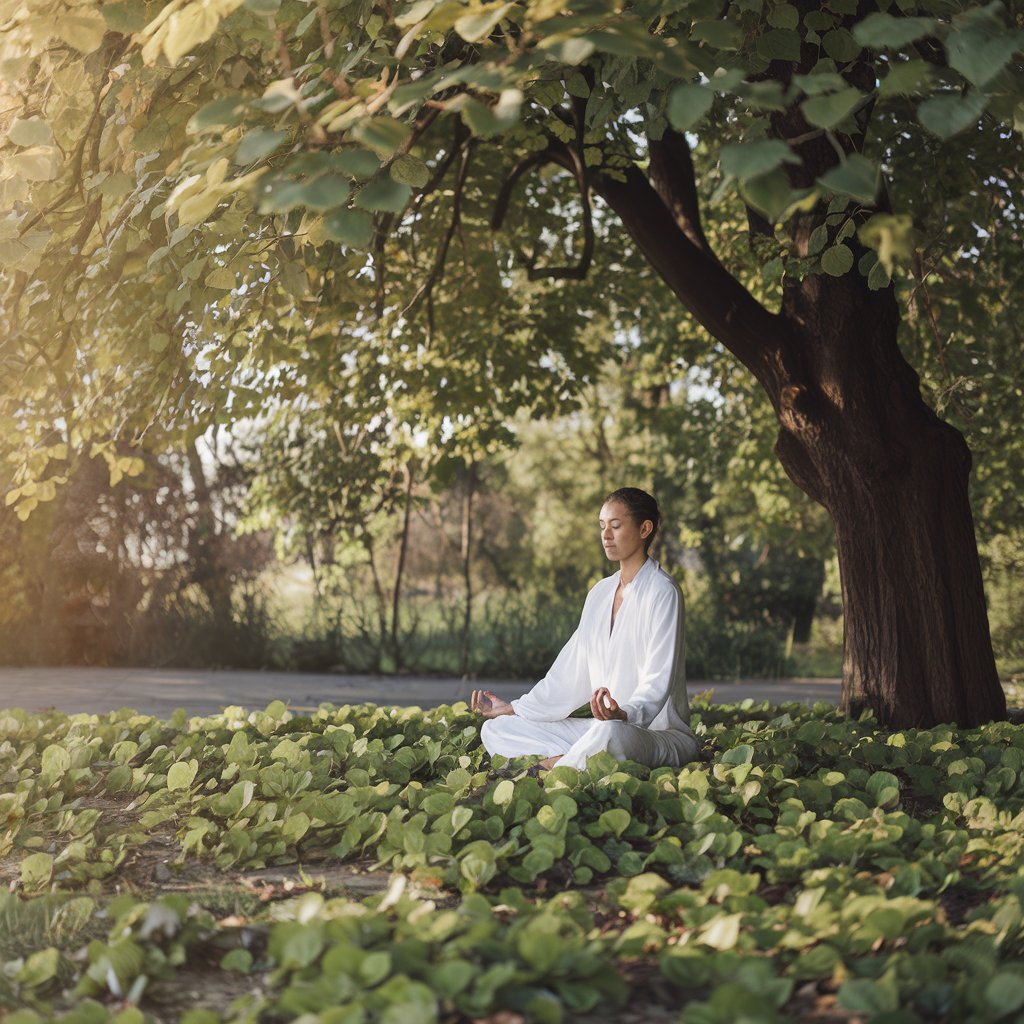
232 175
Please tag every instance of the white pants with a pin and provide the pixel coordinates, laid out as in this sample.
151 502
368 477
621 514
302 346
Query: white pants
576 739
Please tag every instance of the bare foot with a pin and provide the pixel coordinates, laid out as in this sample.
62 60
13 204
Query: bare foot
549 762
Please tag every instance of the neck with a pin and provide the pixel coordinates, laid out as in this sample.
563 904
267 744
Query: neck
629 567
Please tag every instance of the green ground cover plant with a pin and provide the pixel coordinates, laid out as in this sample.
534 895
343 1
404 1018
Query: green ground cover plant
369 864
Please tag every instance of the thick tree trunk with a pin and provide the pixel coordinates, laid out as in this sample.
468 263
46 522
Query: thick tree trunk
857 436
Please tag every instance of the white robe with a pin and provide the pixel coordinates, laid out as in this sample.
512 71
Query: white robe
641 662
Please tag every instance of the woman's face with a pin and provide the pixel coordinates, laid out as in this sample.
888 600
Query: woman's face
621 537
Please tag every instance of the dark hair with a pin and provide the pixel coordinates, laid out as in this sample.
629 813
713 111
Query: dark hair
641 506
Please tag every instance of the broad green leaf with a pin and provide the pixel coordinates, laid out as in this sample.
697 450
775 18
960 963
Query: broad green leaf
720 34
1005 993
779 44
906 77
36 870
981 45
37 163
828 110
81 29
741 754
482 20
325 192
687 104
181 774
615 821
258 144
55 761
748 159
410 170
840 45
33 131
383 195
350 227
770 194
381 134
263 6
722 932
357 163
857 177
886 32
945 116
226 110
39 968
837 260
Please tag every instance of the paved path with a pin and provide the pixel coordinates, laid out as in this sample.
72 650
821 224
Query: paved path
159 691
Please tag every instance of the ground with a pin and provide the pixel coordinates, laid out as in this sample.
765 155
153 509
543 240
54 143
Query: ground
370 864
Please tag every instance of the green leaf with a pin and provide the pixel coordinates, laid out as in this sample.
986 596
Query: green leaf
770 194
906 77
885 32
840 45
837 260
857 177
748 159
779 44
36 870
828 110
40 968
381 134
981 45
278 195
239 960
482 21
477 863
55 761
1005 993
615 821
263 6
945 116
83 30
181 774
742 754
721 34
862 995
226 110
37 163
350 227
383 195
687 104
722 932
325 192
33 131
504 792
410 170
258 144
784 16
357 163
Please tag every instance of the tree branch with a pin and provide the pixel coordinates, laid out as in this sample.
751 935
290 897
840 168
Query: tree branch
672 176
570 159
718 301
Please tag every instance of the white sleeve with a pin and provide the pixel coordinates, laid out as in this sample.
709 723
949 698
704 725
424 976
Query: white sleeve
658 664
565 687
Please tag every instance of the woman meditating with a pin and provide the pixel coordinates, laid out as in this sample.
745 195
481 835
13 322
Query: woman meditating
626 658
